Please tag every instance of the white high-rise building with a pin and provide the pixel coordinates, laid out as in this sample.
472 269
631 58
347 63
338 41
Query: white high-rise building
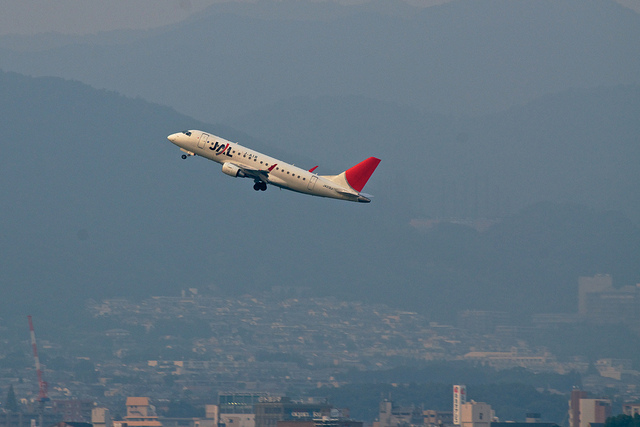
476 414
594 411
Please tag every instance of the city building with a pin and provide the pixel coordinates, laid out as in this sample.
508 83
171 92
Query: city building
140 413
72 424
28 419
239 403
594 411
589 285
600 302
321 422
100 417
433 418
631 409
237 409
532 420
272 409
391 415
476 414
180 422
237 420
616 368
512 359
574 407
584 411
167 367
483 322
525 424
73 410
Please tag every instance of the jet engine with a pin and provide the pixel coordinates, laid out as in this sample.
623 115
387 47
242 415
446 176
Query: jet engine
232 170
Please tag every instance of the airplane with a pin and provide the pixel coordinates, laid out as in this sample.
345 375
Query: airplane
241 162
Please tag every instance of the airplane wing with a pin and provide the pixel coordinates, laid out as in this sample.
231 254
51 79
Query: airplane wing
256 174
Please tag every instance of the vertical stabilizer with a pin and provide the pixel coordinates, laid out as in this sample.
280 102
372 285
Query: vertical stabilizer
358 175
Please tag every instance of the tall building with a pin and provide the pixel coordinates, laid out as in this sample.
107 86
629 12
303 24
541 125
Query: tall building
594 411
584 411
391 415
600 302
614 306
100 417
475 414
595 284
239 403
588 285
140 413
574 407
237 409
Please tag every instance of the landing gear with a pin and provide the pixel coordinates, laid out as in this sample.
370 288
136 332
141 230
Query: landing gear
184 156
260 186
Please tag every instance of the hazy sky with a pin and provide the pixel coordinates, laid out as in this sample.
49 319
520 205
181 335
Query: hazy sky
92 16
114 211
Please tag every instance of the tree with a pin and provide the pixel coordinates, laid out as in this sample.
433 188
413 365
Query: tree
623 421
12 402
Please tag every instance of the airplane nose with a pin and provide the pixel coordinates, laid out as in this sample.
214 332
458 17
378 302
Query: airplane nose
173 137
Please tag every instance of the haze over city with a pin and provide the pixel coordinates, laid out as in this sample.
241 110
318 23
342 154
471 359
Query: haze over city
501 244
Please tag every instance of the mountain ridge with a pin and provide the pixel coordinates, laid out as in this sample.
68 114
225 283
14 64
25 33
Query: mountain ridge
457 58
98 204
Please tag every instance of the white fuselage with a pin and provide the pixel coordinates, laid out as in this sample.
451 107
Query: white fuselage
267 169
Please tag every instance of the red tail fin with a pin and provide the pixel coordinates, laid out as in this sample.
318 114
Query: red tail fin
358 175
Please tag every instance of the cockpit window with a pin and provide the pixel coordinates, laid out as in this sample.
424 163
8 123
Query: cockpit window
186 132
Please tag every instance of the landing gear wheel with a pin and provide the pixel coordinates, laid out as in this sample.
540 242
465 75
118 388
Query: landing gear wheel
184 156
260 186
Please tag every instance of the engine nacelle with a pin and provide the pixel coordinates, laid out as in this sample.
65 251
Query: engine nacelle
232 170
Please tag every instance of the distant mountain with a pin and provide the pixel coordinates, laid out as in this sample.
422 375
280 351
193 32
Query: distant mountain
461 57
97 203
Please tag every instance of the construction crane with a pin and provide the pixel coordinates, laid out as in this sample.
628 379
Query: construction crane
42 394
